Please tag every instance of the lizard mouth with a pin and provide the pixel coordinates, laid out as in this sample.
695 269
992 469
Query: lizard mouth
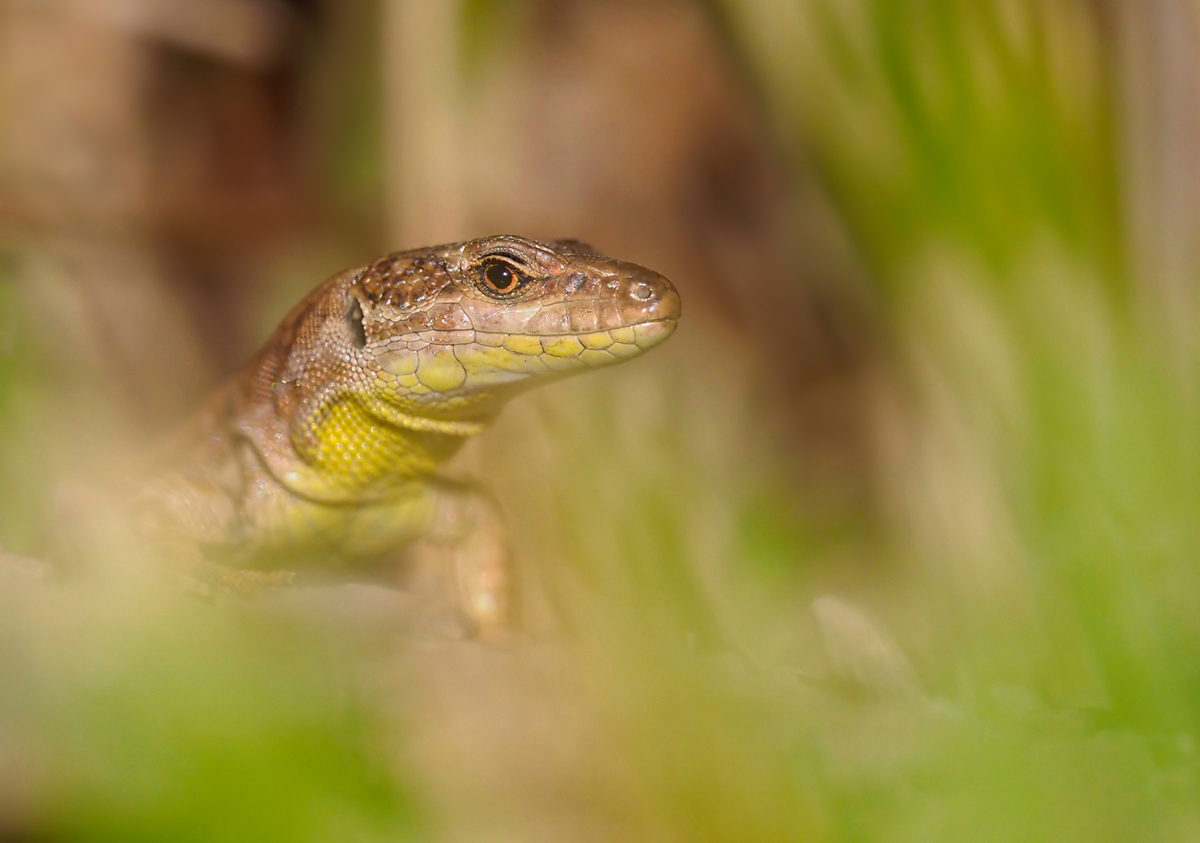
649 334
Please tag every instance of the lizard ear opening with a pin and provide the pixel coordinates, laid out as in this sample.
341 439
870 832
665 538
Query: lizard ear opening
354 318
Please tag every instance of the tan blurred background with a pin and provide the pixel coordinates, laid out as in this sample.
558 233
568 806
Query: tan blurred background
181 172
165 164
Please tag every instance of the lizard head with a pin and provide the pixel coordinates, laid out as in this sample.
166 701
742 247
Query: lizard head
452 332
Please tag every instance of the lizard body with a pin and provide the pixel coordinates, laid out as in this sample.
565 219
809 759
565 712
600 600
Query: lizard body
327 444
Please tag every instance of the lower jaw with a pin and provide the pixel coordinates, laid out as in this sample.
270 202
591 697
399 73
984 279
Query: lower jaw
487 398
650 334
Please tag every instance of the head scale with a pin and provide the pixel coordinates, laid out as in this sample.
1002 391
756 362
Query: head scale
451 333
383 371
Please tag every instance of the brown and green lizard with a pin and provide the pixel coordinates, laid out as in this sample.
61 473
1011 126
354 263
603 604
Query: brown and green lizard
326 446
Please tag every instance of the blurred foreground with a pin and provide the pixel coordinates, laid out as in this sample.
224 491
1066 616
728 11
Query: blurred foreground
939 264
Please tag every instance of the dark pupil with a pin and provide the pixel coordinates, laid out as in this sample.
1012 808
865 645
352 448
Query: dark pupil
499 277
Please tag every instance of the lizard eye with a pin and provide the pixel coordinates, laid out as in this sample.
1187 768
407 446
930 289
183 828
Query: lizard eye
500 277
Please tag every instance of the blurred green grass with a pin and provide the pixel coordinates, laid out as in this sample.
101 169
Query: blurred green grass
135 716
1050 496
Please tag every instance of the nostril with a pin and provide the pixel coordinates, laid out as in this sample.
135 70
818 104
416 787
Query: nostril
641 291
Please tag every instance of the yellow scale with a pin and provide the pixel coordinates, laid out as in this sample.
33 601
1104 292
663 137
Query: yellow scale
356 457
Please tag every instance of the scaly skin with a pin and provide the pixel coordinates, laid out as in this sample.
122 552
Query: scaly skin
326 445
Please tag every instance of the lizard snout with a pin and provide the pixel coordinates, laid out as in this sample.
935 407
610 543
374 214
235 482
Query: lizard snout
649 297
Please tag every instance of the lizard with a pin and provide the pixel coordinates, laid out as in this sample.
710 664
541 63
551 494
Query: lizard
327 445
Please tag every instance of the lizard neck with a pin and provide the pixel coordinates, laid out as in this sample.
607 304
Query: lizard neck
329 444
355 452
415 423
347 453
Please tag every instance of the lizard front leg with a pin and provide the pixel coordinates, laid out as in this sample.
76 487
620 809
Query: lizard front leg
465 550
445 543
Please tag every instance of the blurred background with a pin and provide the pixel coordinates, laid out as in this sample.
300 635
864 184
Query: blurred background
938 372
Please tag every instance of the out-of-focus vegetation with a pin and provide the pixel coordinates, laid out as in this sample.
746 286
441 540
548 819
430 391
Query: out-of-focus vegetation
1029 449
1046 484
124 722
